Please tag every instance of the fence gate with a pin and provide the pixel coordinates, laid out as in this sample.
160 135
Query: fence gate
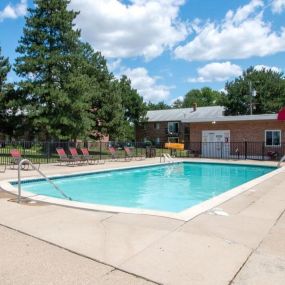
216 144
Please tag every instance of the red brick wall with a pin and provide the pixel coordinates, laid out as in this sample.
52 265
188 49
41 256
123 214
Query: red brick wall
253 131
149 132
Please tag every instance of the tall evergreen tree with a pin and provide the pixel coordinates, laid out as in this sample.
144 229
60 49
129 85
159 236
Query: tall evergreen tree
10 118
5 68
57 97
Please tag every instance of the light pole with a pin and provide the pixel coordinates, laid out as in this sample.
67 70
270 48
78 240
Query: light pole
252 93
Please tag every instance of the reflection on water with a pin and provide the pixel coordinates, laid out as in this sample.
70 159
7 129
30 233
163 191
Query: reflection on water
171 188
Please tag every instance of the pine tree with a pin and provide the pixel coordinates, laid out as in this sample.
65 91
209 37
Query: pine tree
57 91
8 107
5 68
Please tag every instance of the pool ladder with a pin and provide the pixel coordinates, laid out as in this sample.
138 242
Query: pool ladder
167 158
281 160
26 161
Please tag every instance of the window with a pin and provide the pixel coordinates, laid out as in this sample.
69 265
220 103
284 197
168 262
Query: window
173 140
156 126
157 140
173 127
272 137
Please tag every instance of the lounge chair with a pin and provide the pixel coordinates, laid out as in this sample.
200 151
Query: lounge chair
63 158
129 154
89 157
76 156
112 151
17 157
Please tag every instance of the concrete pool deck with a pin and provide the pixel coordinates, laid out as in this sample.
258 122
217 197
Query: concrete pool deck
244 245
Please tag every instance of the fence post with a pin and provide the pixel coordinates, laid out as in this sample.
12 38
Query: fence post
48 151
136 146
24 148
245 150
100 154
221 150
263 149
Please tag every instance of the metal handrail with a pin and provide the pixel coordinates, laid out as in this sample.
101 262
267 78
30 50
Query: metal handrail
281 160
166 156
41 173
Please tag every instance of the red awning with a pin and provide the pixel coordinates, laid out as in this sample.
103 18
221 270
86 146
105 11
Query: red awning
281 115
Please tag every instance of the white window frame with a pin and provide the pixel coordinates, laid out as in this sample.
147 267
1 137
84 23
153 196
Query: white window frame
265 141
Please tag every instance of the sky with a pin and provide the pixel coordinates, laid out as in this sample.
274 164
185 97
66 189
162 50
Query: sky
168 47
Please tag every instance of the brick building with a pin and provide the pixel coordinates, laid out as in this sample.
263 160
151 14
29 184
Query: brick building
207 129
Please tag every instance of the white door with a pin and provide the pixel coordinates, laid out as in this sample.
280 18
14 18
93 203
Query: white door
216 143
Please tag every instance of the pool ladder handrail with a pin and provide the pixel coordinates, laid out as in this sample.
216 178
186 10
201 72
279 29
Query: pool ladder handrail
26 161
281 160
167 157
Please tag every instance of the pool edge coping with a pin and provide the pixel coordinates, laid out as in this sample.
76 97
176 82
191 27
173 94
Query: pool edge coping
184 215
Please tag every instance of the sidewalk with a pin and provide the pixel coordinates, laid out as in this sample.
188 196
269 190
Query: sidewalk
244 246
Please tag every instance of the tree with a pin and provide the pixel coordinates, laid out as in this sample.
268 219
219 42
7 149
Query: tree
133 107
269 86
202 97
106 102
157 106
5 68
55 86
178 103
10 118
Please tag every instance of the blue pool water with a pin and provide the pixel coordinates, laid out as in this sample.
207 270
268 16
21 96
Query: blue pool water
170 188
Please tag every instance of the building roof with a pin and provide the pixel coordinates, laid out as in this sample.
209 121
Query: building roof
184 114
202 114
262 117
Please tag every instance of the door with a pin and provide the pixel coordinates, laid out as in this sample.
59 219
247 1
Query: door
216 143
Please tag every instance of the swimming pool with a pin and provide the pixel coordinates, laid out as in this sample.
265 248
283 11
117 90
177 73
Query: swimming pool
167 188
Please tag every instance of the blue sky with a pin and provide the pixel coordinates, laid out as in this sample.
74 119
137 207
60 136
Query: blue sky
168 47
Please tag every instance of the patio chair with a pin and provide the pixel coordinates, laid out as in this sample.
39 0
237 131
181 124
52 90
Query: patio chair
16 158
76 156
89 157
113 153
130 155
63 158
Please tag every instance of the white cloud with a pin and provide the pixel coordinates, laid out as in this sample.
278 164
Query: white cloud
14 11
217 72
278 6
267 68
141 28
146 85
241 34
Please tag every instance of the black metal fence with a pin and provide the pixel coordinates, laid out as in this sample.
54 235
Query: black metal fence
45 152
